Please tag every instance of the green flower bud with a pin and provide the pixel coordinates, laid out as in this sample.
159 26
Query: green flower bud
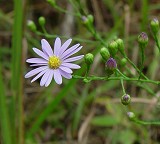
89 58
52 2
90 18
143 39
125 99
131 116
120 46
42 21
105 53
155 25
113 48
123 62
31 25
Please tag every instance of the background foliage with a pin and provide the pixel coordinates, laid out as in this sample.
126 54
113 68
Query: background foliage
76 112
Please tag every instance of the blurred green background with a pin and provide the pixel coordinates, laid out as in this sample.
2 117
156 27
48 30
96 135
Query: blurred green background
76 112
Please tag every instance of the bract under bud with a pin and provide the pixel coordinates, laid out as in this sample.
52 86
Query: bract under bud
155 25
120 45
125 99
42 21
131 115
105 53
31 25
113 48
143 39
89 58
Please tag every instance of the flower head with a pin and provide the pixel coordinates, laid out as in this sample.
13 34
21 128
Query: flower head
111 64
55 63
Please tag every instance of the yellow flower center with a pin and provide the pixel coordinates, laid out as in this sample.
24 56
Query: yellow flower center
54 62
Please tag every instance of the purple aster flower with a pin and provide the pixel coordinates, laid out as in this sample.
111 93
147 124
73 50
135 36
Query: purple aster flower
55 64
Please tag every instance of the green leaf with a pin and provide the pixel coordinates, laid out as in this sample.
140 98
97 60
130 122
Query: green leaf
104 121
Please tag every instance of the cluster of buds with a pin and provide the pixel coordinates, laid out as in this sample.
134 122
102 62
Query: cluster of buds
32 26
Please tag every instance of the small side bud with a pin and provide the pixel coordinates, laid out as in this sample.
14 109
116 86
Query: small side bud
120 46
90 18
125 99
113 48
123 62
105 53
154 25
86 80
52 2
143 39
42 21
131 115
87 20
111 65
89 58
31 25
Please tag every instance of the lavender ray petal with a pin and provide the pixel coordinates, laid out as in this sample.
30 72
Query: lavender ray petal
39 64
70 65
65 46
39 75
40 53
71 53
49 78
69 50
35 71
74 58
36 60
66 69
44 78
57 46
66 75
57 77
46 47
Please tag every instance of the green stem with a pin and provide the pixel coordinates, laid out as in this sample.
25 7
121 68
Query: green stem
135 67
121 73
5 123
17 67
124 92
142 47
146 122
157 41
50 36
90 78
